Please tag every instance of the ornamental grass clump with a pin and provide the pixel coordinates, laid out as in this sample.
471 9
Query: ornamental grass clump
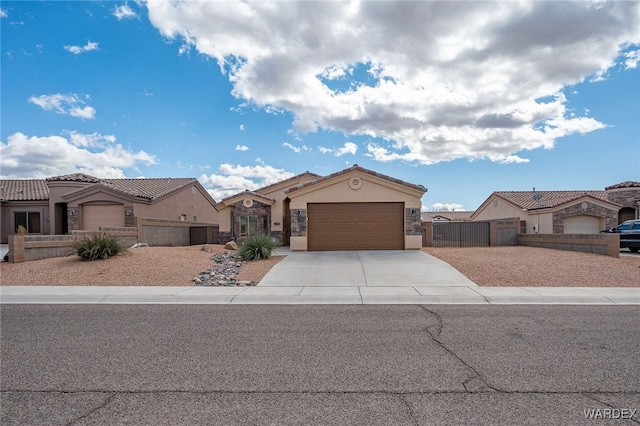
100 245
255 248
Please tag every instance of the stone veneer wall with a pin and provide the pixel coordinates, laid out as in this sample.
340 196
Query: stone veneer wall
610 216
628 198
129 218
299 222
73 216
257 209
412 221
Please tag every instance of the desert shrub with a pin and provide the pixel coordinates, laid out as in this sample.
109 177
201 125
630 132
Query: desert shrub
100 245
255 248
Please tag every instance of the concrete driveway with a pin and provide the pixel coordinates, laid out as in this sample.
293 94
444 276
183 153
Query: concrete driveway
379 268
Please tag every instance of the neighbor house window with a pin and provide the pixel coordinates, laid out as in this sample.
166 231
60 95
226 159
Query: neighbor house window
250 226
30 221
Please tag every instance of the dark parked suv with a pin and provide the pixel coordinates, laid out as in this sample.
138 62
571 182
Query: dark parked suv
629 231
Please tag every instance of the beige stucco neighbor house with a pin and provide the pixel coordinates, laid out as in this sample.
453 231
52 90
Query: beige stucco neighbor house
565 212
60 204
354 209
446 216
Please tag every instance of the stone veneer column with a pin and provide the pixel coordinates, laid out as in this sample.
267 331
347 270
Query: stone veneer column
412 221
298 222
129 219
73 218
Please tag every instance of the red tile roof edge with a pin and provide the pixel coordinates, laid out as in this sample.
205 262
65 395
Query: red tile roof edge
356 168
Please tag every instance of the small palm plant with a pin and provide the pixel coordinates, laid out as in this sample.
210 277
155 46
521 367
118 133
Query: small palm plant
100 245
255 248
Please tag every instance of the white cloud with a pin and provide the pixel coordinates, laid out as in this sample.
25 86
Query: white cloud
296 149
3 13
427 81
241 127
37 157
124 12
231 179
242 148
446 207
91 45
68 104
347 148
632 59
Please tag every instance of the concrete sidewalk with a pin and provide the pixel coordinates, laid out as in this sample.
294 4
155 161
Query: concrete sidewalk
320 295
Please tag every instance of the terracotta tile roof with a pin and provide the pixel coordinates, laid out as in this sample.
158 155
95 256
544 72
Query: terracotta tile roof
291 179
360 169
74 177
627 184
24 190
524 199
150 189
244 194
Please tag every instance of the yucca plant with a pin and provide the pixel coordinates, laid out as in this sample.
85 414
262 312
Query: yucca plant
100 245
255 248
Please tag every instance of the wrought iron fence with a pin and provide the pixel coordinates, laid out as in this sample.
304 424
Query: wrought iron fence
461 234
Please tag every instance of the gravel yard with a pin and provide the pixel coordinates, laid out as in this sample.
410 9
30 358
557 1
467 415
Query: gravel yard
537 267
145 266
486 266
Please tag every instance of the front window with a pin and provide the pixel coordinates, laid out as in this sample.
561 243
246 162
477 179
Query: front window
29 220
251 226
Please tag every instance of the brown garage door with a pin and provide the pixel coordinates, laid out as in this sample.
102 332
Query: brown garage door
355 226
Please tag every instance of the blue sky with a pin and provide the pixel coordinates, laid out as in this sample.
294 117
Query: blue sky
465 98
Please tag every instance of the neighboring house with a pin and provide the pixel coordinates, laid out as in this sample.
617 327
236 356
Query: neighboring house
61 204
565 212
445 216
354 209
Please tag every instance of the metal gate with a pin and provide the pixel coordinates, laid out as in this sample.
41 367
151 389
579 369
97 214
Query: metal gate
461 234
197 235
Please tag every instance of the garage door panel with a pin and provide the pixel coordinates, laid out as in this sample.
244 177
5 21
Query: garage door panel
582 225
355 226
97 215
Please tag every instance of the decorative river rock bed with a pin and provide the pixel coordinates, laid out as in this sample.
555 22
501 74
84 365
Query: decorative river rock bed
226 267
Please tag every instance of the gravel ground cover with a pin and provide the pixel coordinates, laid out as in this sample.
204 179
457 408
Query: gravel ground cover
537 267
177 266
145 266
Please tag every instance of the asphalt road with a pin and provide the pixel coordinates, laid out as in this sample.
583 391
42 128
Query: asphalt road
354 364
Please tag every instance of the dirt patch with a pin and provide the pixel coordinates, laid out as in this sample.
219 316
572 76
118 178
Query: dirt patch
538 267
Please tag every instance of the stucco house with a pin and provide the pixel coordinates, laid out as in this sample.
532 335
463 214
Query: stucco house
447 216
565 212
60 204
353 209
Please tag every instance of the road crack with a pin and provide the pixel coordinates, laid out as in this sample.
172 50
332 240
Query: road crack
477 383
100 407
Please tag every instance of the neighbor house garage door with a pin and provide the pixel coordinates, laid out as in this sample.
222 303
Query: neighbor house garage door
97 215
355 226
582 225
